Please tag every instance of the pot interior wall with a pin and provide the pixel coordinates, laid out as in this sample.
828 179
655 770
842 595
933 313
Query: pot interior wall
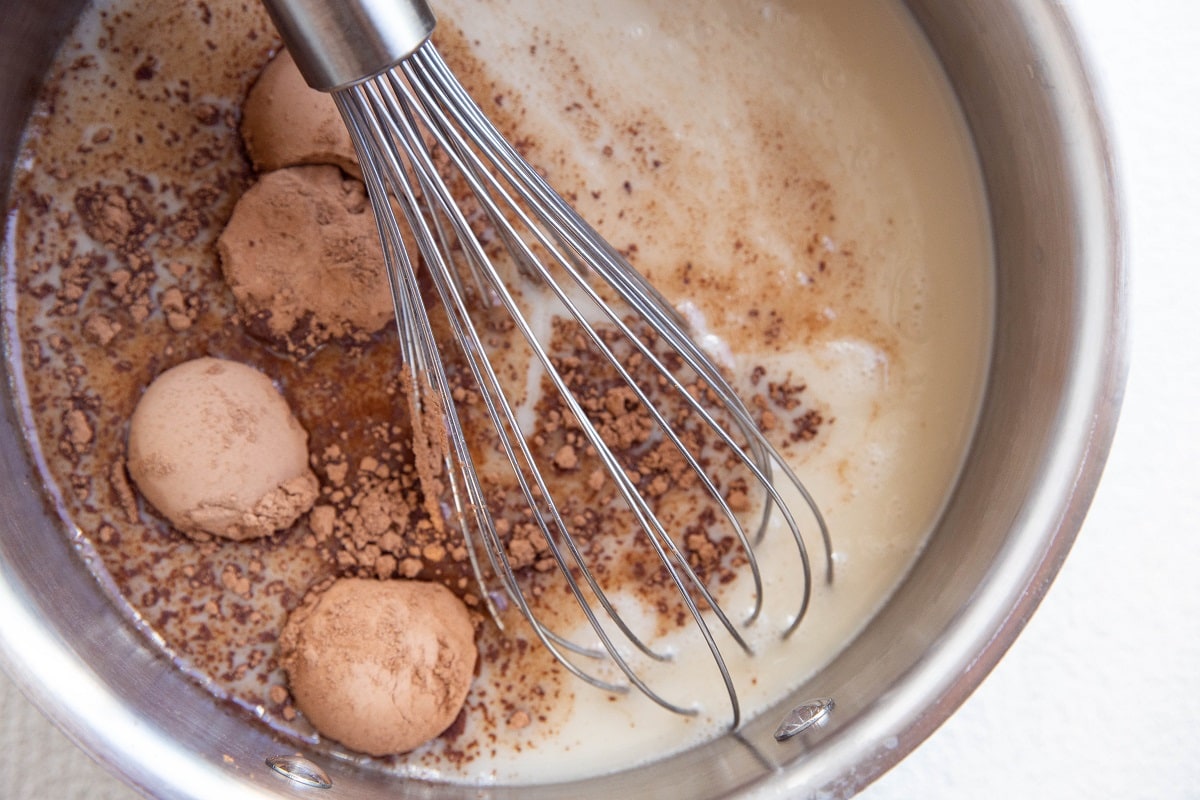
1056 370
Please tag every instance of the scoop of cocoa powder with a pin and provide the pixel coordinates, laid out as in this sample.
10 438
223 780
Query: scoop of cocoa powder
286 123
302 256
381 666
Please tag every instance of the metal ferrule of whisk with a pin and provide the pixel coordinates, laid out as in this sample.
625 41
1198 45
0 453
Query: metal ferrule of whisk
412 122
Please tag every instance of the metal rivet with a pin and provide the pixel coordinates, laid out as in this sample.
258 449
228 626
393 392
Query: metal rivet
300 770
814 713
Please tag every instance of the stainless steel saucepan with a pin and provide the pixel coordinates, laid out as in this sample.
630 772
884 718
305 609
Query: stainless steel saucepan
1048 417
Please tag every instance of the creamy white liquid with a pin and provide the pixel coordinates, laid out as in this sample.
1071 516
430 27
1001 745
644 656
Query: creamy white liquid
795 132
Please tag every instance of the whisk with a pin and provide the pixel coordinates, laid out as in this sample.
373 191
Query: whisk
495 242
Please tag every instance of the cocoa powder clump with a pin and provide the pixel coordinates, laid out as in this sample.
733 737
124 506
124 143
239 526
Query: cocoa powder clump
302 257
381 666
372 519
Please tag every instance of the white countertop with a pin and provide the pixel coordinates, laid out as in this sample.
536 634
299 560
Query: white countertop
1100 697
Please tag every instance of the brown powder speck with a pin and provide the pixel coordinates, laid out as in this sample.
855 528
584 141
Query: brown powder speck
145 70
119 481
738 500
118 222
176 309
79 432
99 329
566 458
321 520
234 581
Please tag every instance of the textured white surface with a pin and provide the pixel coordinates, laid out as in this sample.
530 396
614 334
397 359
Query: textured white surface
37 762
1100 698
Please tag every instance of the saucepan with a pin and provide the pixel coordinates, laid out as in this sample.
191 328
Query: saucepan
1049 410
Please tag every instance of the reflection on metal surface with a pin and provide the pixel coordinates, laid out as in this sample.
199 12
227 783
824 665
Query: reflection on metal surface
300 770
814 713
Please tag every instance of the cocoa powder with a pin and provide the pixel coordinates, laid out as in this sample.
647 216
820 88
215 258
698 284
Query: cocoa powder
302 257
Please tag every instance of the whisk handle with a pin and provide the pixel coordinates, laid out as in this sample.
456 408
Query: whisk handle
336 43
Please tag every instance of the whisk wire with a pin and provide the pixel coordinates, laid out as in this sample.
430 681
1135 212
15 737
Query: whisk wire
454 143
394 118
415 327
559 525
418 348
435 82
648 520
641 295
505 423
